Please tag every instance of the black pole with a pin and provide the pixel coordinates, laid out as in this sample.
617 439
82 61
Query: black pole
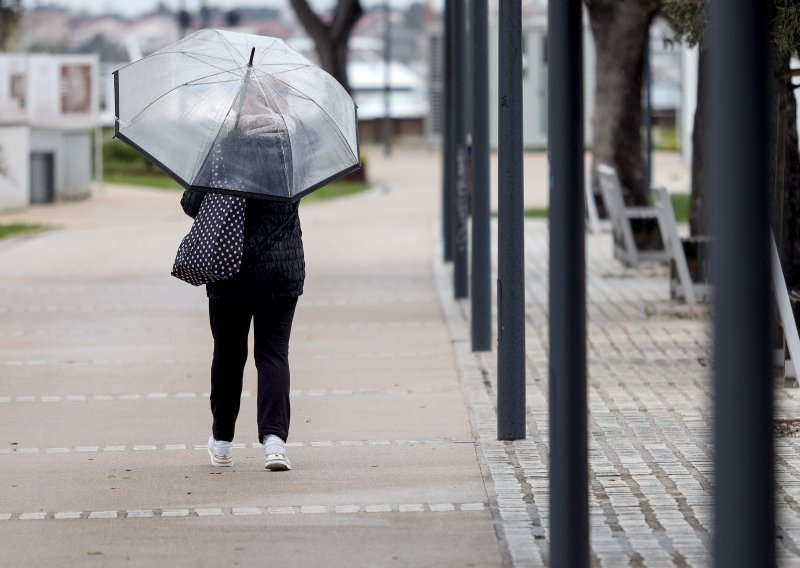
569 471
481 234
387 57
511 230
460 198
738 150
447 132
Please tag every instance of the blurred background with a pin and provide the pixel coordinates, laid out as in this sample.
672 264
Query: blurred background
56 87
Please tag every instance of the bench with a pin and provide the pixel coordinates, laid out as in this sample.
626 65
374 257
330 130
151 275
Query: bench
626 248
593 221
687 283
786 316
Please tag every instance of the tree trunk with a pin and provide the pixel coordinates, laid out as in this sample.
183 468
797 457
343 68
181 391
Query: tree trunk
698 211
621 30
331 40
785 174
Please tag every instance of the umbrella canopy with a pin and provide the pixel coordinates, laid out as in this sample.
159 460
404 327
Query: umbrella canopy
239 114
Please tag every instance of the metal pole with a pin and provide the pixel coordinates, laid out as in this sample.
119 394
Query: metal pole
387 92
460 203
648 116
511 230
481 317
738 150
98 155
447 132
569 470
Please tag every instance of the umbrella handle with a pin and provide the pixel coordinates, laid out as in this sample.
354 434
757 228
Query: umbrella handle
252 53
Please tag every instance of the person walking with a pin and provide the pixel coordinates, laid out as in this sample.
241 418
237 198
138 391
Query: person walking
264 291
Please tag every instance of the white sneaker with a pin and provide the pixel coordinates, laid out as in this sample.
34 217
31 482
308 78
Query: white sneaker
275 452
220 452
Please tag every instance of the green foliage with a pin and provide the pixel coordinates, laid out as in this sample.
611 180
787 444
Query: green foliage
121 159
10 13
689 19
786 27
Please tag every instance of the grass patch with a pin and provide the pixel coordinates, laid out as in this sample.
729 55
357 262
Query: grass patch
336 189
10 229
680 203
150 180
537 213
532 213
665 138
158 181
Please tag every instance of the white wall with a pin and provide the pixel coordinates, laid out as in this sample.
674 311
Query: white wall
689 65
73 160
534 83
63 91
14 185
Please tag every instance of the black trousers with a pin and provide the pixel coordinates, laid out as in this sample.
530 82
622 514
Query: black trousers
230 326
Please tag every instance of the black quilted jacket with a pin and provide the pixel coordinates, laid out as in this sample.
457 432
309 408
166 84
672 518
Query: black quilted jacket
272 258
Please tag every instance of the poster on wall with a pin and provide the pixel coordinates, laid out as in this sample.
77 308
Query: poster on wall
13 90
76 88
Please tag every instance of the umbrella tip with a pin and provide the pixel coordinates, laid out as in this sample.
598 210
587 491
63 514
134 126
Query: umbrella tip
252 53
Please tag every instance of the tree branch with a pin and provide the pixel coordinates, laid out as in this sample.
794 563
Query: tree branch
347 14
315 27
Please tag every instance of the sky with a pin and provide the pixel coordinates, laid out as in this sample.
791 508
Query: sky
134 7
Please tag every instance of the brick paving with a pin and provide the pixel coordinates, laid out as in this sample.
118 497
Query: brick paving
649 420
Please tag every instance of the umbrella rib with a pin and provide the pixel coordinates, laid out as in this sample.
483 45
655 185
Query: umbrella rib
338 129
175 88
197 82
299 66
267 48
288 134
189 52
229 106
227 43
192 56
303 126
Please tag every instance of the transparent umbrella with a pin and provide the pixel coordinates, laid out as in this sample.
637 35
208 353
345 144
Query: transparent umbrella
239 114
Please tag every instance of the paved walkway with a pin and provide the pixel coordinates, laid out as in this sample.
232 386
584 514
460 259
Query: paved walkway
649 422
103 377
104 362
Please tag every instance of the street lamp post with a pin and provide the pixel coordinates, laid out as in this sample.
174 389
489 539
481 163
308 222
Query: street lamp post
511 230
481 278
460 198
387 79
738 150
569 469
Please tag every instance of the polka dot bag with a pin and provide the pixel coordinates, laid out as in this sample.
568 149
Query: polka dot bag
212 250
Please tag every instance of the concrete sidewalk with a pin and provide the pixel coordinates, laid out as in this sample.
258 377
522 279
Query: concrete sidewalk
103 400
104 364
